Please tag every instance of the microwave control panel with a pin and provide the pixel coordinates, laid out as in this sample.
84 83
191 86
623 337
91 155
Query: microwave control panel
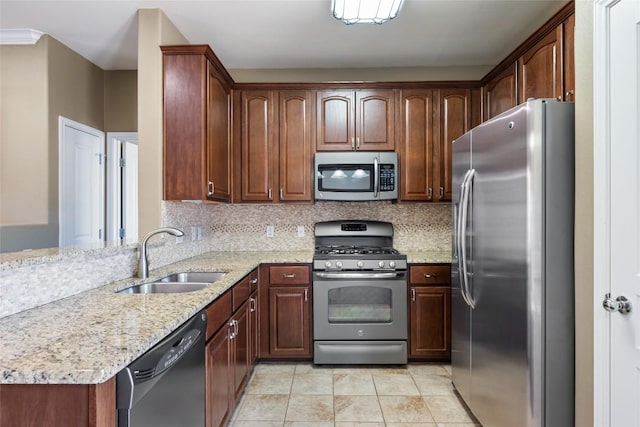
387 178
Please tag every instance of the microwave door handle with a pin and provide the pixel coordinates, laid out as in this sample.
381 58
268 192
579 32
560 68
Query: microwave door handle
376 178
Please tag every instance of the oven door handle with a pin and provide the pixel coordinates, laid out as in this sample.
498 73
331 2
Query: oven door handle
385 275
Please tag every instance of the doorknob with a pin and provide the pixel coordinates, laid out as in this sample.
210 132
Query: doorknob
621 304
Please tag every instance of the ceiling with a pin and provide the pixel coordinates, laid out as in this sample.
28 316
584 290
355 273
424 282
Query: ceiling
267 34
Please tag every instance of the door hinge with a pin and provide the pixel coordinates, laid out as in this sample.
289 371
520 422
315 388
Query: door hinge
123 163
122 233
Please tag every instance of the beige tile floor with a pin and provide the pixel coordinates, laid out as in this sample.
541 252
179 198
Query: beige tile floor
305 395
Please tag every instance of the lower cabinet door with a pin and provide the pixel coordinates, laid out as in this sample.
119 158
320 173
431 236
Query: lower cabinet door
240 344
290 321
220 396
430 323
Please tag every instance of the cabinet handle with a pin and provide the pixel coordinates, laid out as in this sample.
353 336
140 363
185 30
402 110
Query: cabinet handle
210 188
270 195
306 295
281 194
413 294
289 276
232 330
252 304
559 97
430 194
442 192
254 280
430 276
357 143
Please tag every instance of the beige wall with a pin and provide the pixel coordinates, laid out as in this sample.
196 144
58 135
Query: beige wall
39 83
313 75
584 213
154 30
121 101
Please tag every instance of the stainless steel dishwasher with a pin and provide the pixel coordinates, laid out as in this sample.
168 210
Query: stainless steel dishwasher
165 387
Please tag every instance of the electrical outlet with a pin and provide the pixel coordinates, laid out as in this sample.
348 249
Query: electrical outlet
301 231
270 230
199 233
193 233
179 239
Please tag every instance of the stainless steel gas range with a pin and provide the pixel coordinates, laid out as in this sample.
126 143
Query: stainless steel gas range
359 294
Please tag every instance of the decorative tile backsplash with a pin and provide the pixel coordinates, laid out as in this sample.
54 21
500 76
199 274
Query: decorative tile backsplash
244 226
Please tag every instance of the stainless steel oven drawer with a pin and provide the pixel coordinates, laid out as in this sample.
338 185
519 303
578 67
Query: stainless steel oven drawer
360 352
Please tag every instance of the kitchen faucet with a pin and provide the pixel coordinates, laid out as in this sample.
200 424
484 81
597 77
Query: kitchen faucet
143 263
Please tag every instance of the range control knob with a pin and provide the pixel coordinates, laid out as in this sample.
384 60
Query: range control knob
360 264
381 264
339 264
327 264
392 264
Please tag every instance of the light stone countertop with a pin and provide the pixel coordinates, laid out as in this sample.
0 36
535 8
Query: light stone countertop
89 337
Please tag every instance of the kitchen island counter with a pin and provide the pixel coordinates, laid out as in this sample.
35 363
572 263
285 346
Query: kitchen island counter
89 337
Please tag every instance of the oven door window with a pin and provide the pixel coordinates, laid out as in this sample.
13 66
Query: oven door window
345 177
359 304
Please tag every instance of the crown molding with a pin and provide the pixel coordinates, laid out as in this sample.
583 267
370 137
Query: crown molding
19 36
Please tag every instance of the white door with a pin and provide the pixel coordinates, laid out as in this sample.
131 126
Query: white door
81 191
617 214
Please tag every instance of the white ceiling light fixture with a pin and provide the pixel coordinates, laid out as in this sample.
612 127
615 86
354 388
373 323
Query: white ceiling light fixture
365 11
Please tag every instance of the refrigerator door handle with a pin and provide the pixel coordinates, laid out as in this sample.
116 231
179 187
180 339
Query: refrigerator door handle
376 177
460 240
464 212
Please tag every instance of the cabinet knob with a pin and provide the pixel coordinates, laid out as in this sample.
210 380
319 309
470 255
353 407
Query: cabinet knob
254 280
430 276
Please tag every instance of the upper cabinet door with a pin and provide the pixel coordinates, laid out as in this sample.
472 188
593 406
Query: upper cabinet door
296 149
415 148
500 93
540 69
335 124
454 121
568 59
257 145
375 120
219 141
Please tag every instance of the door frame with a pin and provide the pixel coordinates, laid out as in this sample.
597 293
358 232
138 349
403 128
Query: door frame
601 215
113 183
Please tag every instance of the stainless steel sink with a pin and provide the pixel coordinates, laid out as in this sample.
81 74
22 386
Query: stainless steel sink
176 283
194 277
163 288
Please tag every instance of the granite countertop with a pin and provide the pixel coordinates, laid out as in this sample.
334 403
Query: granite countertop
89 337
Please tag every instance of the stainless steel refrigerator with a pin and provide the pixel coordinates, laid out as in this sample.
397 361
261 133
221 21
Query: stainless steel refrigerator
512 277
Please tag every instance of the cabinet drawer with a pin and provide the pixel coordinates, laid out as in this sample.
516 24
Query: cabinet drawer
289 275
241 292
253 280
427 274
218 312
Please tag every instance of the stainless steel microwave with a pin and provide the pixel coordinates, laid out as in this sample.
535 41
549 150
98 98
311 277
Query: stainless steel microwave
356 176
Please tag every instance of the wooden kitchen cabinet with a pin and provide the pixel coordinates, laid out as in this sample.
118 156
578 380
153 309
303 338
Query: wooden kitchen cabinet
568 59
540 69
500 92
415 148
350 120
197 145
430 121
285 301
453 120
295 146
429 312
231 329
58 405
275 146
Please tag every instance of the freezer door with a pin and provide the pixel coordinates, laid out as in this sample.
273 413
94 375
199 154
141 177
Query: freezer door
460 311
500 388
